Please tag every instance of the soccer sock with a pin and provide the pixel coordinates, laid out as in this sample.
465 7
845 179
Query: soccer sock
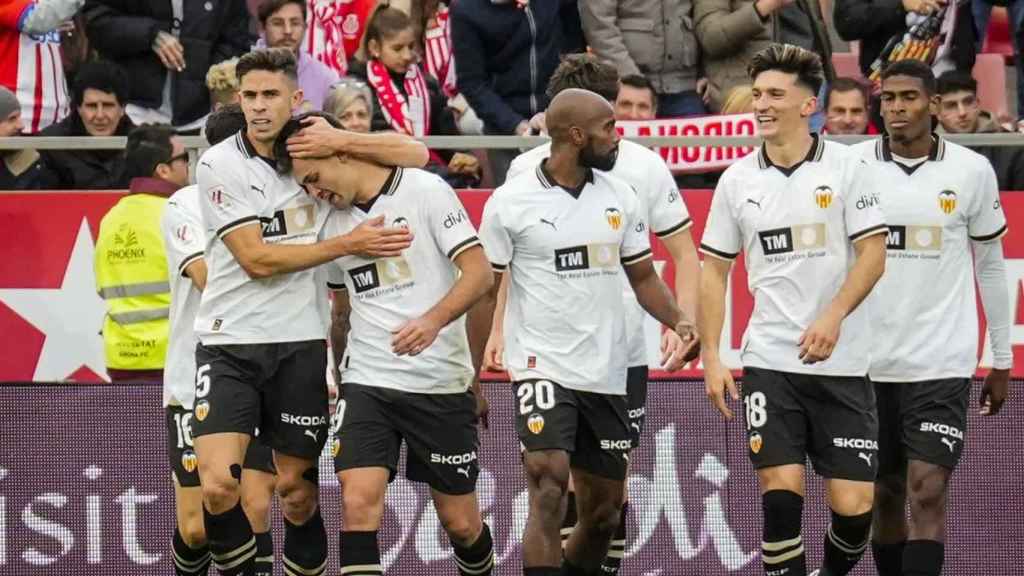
782 549
845 543
569 522
478 558
305 547
264 561
923 558
360 554
617 548
888 558
232 544
542 571
189 561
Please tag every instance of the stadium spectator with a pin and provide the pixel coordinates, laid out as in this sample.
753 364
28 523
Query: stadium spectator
223 84
19 169
846 108
283 23
351 102
507 50
30 58
982 11
961 113
167 47
732 31
739 100
636 99
130 262
98 99
654 38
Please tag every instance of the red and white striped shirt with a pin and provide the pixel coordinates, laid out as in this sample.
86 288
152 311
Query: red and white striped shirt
31 67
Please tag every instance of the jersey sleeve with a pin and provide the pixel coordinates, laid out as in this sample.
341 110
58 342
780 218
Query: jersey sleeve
494 235
13 13
666 212
986 220
636 239
183 237
448 221
862 205
335 276
223 190
722 236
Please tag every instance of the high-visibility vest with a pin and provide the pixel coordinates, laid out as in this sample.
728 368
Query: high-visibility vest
131 275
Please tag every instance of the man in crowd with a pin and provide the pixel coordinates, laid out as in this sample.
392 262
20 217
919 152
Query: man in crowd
284 26
846 108
636 99
19 169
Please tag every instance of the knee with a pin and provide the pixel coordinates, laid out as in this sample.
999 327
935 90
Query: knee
220 493
927 495
603 519
193 533
257 508
550 481
461 528
360 506
298 499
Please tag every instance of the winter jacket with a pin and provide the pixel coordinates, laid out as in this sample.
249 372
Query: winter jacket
82 169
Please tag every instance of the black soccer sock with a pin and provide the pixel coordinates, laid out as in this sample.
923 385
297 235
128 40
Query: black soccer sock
845 542
360 554
542 571
478 558
305 547
617 548
888 558
569 522
264 561
189 561
923 558
570 569
782 549
232 544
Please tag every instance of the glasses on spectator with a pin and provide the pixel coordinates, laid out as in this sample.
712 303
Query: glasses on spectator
183 157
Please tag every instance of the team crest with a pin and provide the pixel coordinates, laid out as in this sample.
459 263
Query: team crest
189 461
947 201
401 222
335 447
202 410
614 218
756 442
535 423
823 196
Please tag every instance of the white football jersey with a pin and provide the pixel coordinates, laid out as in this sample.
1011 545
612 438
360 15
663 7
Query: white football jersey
923 310
182 229
387 292
664 210
565 316
239 188
796 228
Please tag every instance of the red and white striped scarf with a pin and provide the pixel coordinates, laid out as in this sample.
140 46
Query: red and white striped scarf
409 115
437 42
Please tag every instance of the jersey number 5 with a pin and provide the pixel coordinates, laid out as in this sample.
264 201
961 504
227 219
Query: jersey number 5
540 391
202 381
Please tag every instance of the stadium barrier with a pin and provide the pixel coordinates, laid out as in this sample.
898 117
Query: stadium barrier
85 489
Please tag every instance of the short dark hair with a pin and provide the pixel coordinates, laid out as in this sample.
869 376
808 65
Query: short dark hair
148 146
281 156
790 59
955 81
268 59
640 82
587 72
914 69
224 123
846 84
101 75
268 7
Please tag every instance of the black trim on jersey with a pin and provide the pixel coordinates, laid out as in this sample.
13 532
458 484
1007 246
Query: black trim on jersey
250 151
334 286
389 187
937 153
499 268
870 231
638 257
718 253
188 260
992 236
231 226
463 246
674 229
813 155
548 182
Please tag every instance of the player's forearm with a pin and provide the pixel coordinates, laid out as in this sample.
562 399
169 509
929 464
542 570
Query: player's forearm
340 326
990 270
687 281
267 260
865 273
711 314
471 286
478 326
655 297
498 320
387 148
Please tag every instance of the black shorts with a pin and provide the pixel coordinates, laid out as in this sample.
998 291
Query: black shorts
830 419
279 388
593 428
921 421
636 401
439 431
184 464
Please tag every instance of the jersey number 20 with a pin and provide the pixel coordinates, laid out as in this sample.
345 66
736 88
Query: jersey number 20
541 392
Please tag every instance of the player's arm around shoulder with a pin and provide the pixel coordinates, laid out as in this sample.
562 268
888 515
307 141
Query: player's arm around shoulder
319 139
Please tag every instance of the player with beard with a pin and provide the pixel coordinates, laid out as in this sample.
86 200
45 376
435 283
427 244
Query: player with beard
565 322
942 206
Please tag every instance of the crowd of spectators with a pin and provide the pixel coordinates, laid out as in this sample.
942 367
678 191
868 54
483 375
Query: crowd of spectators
458 67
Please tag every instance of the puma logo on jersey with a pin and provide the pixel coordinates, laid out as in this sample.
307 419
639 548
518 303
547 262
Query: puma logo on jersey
865 456
312 434
463 471
950 443
636 426
549 223
754 202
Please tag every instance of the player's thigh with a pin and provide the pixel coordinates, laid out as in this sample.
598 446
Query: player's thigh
597 497
180 447
934 420
366 435
603 439
220 460
776 421
227 389
636 398
295 400
892 455
546 416
440 431
843 417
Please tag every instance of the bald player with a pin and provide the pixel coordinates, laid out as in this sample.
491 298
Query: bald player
566 232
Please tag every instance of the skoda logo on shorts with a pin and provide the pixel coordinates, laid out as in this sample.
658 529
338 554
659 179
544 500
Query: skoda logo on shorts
202 410
756 442
535 423
189 461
